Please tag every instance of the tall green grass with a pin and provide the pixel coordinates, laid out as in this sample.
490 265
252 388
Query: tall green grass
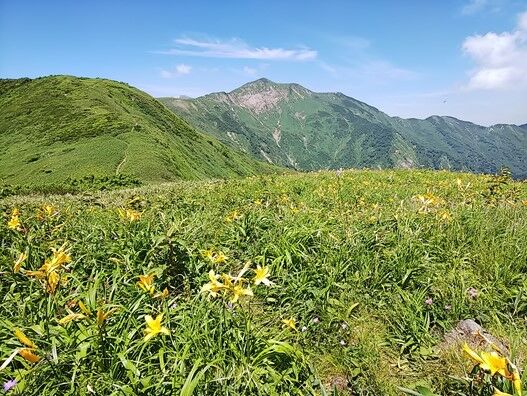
373 266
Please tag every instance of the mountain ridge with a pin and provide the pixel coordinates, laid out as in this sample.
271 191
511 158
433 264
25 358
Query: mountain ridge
58 127
290 125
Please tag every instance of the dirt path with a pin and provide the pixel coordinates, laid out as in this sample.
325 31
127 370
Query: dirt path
118 169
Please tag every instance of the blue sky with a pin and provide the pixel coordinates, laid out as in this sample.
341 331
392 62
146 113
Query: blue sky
465 58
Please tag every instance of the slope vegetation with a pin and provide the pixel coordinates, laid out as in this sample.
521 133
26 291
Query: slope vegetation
371 273
290 125
57 127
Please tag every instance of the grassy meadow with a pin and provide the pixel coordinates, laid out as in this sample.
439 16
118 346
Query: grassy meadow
300 284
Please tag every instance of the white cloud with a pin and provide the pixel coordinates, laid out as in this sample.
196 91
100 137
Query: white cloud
236 49
249 71
501 59
179 70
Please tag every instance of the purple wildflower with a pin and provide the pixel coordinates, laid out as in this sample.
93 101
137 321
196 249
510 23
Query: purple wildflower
9 385
472 293
429 301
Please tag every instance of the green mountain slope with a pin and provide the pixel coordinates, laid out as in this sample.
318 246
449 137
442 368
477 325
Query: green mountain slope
290 125
57 127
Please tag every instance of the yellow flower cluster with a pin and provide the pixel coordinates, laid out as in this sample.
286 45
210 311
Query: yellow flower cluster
428 202
45 212
146 283
129 214
215 257
50 272
234 288
14 221
232 216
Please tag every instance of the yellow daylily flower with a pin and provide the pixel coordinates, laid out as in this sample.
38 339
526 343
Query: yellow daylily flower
84 308
28 354
489 361
37 274
163 294
52 282
17 265
213 287
242 272
71 317
515 377
239 291
45 211
13 223
219 258
102 316
60 257
208 254
494 363
129 214
24 339
146 282
471 353
261 275
154 327
234 215
291 323
48 209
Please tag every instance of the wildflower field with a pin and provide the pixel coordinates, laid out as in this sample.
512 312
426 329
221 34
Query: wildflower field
321 283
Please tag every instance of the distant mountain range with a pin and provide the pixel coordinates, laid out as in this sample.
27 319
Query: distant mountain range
52 128
289 125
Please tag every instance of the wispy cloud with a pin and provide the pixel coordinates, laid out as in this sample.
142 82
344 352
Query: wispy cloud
372 70
500 58
250 71
179 70
477 6
236 49
473 6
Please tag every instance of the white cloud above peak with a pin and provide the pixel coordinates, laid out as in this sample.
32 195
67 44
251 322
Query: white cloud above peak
179 70
500 58
236 49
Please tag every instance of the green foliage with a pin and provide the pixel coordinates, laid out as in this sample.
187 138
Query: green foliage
373 266
301 129
57 128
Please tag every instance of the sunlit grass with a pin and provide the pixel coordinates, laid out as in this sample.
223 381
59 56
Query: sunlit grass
295 284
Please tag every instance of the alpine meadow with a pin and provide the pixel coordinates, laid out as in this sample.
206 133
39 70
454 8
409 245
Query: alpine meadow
203 229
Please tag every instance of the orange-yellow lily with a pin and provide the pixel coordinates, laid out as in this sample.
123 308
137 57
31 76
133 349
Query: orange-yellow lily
291 323
24 339
28 354
146 282
154 327
17 265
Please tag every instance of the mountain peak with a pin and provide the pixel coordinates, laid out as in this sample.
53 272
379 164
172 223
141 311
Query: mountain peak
258 84
264 95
